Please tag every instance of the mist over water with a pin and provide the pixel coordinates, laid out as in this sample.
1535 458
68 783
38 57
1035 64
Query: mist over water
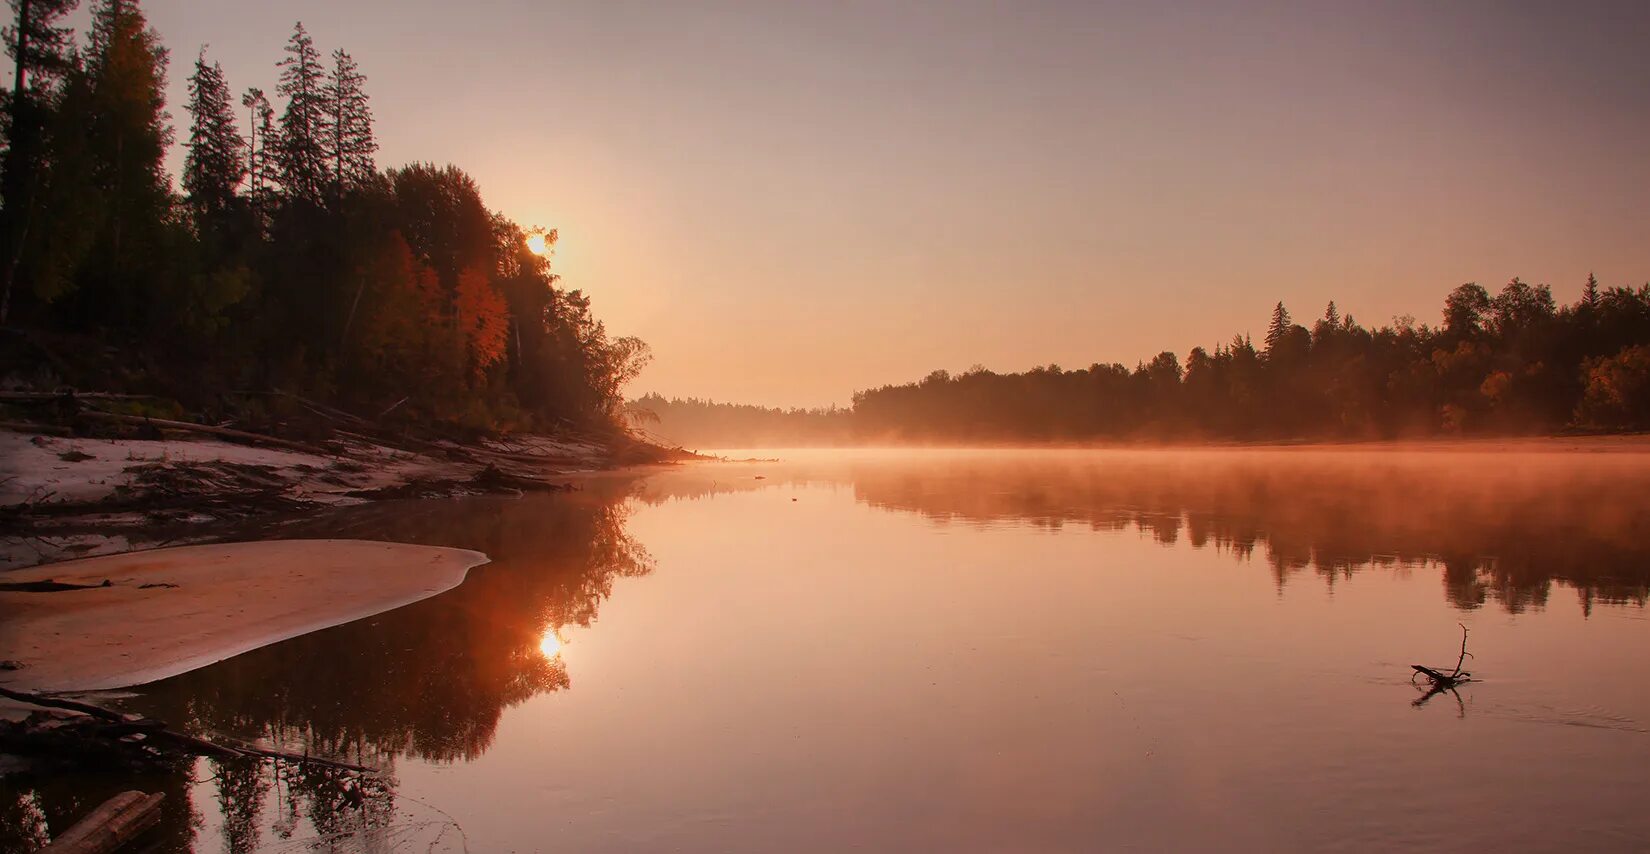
968 650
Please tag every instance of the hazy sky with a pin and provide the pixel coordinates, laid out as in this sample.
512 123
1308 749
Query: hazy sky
791 201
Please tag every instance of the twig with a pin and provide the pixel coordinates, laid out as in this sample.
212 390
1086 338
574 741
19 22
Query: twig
1442 680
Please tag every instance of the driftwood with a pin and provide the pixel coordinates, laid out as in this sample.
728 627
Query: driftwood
122 725
51 396
225 432
120 820
318 408
1439 681
31 427
1454 677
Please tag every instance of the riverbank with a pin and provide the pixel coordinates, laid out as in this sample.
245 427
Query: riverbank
64 497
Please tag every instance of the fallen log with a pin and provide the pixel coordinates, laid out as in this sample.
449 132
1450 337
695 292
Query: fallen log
28 396
221 747
120 820
31 427
225 432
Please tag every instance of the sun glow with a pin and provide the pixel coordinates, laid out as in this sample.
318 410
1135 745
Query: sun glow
550 644
537 245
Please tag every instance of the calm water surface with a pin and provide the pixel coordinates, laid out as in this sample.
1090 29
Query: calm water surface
982 651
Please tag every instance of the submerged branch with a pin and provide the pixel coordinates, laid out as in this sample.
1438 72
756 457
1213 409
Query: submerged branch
110 726
1442 680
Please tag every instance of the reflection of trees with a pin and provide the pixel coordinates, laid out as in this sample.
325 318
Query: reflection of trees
1499 527
429 680
39 806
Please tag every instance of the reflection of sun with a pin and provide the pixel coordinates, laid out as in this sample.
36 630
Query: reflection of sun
536 244
550 645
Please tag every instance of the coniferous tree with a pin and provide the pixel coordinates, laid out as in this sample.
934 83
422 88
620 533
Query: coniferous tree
42 53
213 168
129 135
1278 329
301 155
260 161
349 143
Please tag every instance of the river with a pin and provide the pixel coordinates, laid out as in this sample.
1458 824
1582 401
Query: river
963 651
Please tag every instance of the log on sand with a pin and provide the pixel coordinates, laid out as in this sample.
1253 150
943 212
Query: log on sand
120 820
188 427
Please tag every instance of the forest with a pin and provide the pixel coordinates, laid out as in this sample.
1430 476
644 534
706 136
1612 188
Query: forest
283 258
1512 363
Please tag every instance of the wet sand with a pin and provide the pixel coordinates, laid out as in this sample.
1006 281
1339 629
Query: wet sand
147 615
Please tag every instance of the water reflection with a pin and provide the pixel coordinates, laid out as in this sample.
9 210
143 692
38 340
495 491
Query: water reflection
550 645
428 681
431 682
1500 528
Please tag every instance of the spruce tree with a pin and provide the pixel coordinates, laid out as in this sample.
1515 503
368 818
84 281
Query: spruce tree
42 52
1278 329
213 167
129 134
350 144
301 155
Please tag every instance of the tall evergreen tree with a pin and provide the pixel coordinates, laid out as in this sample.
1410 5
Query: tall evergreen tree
301 155
260 166
349 144
1279 328
42 51
129 130
213 168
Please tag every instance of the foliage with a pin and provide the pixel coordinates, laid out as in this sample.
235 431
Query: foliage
289 261
1509 364
1618 390
1514 363
214 166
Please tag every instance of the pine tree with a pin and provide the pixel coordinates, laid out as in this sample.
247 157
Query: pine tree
1589 292
260 164
349 144
301 154
213 167
1279 328
42 53
1331 315
129 135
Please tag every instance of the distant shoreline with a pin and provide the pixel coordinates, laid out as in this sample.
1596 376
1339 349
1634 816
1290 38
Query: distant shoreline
1637 442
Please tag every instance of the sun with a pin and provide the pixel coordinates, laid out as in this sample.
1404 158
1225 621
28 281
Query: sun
537 245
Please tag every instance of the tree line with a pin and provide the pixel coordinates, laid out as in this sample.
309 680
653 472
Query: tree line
1515 362
284 258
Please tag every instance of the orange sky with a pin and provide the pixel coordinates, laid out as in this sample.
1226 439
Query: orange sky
791 201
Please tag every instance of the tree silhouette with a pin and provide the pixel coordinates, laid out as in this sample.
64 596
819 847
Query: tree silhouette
302 153
213 167
349 143
42 53
1278 329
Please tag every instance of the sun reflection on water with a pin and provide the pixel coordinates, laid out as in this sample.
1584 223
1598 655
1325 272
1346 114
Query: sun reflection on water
550 644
